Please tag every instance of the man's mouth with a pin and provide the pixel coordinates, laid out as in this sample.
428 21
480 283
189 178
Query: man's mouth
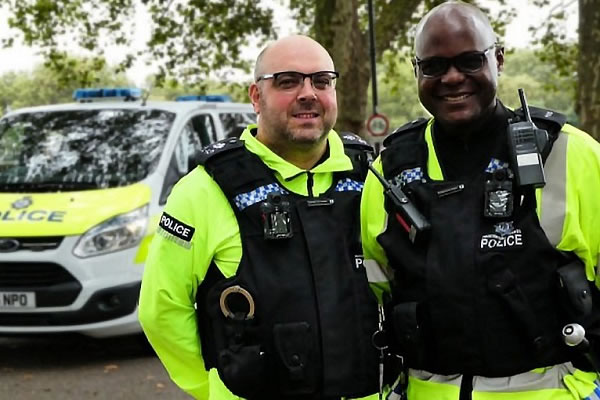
306 115
456 98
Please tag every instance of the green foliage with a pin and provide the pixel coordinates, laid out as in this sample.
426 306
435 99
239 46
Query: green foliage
554 46
397 92
172 88
543 84
44 86
198 41
189 40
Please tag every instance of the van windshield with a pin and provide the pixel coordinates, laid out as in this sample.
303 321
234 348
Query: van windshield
80 149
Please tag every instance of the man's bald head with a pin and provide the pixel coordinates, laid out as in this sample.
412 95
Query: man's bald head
290 47
295 115
456 13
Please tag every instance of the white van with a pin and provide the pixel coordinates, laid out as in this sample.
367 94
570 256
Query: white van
82 186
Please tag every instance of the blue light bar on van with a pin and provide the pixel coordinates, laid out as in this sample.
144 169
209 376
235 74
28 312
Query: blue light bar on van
205 97
107 93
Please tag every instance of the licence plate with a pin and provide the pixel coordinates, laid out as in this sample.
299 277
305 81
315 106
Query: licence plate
17 299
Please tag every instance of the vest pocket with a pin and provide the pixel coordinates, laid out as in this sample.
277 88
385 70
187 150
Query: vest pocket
242 370
295 347
407 334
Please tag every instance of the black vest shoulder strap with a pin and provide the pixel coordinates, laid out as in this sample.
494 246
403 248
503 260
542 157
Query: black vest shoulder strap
352 140
547 119
405 149
416 125
360 153
551 121
218 148
237 170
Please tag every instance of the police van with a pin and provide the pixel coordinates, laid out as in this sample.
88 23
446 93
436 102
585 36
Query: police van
82 186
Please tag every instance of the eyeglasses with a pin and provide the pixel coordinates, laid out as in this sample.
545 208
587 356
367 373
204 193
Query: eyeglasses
466 63
293 80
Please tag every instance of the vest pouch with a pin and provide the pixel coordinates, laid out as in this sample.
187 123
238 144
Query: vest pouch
575 292
406 333
241 359
242 370
295 347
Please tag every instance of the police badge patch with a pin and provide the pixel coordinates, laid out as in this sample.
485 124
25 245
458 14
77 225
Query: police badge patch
172 229
505 236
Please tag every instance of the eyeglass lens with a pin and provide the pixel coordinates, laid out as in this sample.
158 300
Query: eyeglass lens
293 80
466 63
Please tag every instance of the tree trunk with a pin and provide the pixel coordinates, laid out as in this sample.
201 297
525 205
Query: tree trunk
337 28
588 91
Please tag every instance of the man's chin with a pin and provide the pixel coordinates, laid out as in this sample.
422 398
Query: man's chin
457 120
308 136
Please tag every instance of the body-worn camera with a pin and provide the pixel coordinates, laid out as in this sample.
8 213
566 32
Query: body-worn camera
275 212
525 143
498 199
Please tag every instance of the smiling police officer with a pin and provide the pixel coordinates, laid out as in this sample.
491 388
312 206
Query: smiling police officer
507 258
254 284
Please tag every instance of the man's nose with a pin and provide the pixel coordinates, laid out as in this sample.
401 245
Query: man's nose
452 75
306 91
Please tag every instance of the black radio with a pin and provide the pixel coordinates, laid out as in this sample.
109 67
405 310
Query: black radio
410 218
525 143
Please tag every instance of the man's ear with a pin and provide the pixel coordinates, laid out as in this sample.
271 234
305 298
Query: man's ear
254 94
500 59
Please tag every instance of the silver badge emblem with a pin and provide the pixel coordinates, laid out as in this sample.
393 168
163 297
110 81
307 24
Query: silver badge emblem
504 228
22 203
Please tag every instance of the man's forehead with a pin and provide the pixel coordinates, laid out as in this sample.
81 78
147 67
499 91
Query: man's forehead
296 55
453 24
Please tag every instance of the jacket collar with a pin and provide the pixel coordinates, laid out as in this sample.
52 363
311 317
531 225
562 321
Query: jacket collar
337 160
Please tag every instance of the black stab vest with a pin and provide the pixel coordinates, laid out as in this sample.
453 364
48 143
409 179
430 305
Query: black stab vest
310 337
460 304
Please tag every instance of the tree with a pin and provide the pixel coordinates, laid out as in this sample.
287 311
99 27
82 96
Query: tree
43 85
578 62
189 40
588 93
195 39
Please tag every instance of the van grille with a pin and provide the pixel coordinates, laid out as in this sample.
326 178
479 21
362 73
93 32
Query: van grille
38 243
33 274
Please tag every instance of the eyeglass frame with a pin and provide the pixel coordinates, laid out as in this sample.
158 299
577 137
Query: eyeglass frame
274 76
416 61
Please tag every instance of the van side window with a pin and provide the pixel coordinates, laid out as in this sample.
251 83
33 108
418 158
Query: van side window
188 145
235 123
184 157
204 127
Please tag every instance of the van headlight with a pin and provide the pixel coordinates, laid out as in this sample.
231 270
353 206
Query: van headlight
118 233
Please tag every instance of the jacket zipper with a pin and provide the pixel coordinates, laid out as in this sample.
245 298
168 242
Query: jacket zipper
309 183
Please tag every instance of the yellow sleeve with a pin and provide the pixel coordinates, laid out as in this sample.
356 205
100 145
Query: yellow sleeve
173 271
582 234
373 221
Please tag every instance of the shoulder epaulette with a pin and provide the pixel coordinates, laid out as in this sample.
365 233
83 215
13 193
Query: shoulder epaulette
359 151
551 120
350 139
415 124
219 147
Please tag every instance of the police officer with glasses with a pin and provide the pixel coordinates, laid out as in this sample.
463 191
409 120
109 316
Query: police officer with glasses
482 230
266 296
